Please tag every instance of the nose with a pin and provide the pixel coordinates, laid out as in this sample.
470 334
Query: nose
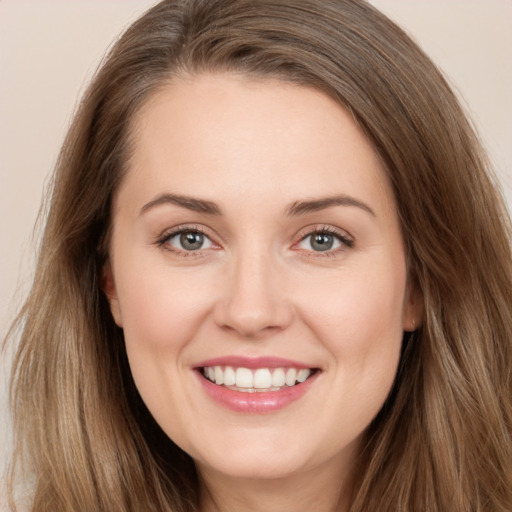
254 302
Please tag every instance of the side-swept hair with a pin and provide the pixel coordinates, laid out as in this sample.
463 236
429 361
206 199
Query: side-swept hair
442 441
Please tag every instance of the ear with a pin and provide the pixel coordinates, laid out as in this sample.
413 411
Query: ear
109 289
413 308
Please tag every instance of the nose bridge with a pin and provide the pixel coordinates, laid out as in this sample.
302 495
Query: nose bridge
254 300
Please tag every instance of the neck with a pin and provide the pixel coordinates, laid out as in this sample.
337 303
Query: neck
320 489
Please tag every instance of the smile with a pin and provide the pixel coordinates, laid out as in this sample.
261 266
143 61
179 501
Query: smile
255 385
256 380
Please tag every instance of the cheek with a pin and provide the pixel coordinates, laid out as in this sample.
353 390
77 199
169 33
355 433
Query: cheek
162 310
160 307
355 304
358 317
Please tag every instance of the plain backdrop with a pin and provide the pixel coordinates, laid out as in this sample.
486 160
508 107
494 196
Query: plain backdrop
49 49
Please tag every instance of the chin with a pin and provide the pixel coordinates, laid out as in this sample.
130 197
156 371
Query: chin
254 466
271 455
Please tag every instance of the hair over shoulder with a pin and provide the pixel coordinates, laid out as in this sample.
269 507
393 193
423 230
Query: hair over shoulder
442 441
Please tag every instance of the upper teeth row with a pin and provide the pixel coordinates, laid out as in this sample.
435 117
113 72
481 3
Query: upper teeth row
259 379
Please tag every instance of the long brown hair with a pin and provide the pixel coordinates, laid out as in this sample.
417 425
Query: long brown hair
442 441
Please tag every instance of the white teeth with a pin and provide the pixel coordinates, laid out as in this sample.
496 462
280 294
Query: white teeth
243 378
303 374
278 378
261 379
219 375
229 376
291 376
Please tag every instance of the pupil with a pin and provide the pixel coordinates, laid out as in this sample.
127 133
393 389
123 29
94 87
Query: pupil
322 242
191 240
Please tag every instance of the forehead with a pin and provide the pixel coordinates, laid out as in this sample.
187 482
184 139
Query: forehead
223 136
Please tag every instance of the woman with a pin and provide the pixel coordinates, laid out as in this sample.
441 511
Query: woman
275 274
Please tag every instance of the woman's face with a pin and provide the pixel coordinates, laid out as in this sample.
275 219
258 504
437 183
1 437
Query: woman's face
256 244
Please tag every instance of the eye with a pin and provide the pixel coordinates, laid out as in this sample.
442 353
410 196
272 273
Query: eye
324 240
188 240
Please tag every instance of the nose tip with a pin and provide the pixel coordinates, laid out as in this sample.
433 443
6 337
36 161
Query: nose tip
254 303
251 321
249 324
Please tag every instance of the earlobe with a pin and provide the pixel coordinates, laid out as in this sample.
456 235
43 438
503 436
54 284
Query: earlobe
109 289
413 309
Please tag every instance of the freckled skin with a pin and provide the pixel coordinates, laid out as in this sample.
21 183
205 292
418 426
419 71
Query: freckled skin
258 287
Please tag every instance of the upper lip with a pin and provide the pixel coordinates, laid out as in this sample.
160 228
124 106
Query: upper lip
253 362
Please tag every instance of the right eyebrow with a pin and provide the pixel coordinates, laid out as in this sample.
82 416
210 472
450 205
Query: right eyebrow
314 205
190 203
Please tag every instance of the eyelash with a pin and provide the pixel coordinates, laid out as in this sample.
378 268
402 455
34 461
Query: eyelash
163 241
345 240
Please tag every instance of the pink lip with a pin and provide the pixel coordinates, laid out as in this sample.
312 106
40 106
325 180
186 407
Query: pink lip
259 402
253 362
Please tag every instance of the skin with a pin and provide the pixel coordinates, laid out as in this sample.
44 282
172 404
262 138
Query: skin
257 287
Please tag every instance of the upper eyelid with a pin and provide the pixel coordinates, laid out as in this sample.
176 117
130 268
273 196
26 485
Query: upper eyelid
341 233
176 230
162 241
345 239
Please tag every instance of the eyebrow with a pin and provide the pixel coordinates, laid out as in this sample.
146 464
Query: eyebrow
190 203
314 205
295 209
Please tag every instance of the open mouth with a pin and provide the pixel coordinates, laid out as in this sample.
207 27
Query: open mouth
256 380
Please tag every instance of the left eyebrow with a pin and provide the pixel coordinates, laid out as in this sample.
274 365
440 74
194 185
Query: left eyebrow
314 205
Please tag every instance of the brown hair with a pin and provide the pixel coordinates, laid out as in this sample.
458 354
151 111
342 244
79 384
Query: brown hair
443 439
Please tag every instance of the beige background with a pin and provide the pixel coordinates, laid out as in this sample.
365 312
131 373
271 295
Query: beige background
50 48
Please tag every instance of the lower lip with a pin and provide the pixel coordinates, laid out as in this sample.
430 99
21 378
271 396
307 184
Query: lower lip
259 402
